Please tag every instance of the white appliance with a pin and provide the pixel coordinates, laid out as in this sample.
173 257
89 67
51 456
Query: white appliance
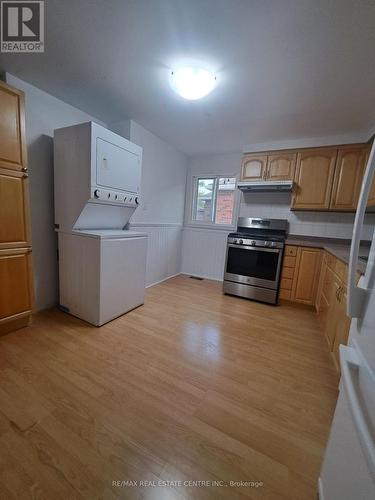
348 471
102 265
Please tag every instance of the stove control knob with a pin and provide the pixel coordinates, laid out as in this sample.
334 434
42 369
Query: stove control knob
240 242
253 242
267 243
273 244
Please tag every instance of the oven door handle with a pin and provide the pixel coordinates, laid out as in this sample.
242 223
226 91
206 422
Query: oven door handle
260 249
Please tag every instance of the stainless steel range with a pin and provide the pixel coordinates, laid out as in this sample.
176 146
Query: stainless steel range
253 260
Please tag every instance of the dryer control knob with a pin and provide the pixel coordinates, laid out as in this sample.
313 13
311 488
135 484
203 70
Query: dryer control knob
136 199
96 193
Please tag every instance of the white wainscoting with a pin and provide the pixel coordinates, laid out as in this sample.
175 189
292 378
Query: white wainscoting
203 252
163 250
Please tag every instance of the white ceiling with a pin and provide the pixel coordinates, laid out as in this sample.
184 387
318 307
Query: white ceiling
285 68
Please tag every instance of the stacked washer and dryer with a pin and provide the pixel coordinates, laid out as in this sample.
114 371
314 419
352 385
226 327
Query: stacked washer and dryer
102 265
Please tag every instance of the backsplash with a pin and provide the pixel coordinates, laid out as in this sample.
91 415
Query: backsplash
277 206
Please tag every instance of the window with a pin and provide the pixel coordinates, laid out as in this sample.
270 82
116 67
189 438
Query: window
213 200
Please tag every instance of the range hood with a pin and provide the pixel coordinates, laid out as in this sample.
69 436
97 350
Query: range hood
265 186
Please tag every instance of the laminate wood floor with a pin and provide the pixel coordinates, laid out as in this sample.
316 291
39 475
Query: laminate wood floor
192 386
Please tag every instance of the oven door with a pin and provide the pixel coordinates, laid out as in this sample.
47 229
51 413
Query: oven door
253 265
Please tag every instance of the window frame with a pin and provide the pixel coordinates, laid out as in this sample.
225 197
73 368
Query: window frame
190 221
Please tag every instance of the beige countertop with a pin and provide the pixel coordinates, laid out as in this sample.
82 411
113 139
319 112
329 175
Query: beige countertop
340 248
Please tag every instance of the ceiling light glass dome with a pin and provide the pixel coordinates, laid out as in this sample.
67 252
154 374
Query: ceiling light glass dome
192 83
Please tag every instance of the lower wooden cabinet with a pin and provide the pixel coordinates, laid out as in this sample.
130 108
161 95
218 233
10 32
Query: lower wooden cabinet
300 274
331 304
306 278
342 322
16 286
314 277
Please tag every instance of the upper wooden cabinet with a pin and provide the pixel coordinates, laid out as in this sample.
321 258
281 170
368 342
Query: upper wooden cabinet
12 128
325 178
253 167
281 166
348 177
14 214
271 167
314 176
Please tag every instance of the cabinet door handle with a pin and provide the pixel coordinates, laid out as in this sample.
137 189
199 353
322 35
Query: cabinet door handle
24 169
25 175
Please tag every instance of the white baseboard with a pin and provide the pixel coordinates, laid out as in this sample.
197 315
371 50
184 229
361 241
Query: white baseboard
164 279
202 276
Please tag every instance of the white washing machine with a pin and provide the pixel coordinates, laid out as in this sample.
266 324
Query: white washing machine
102 266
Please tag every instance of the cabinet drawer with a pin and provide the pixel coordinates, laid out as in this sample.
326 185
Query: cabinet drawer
287 272
286 283
285 294
290 250
289 261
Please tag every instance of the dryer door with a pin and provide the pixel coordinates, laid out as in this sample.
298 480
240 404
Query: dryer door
116 167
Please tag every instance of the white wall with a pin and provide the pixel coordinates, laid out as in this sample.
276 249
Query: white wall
203 251
44 113
161 210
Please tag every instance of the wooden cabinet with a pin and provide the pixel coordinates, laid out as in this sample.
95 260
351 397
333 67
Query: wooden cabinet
331 304
16 286
314 175
287 272
342 325
281 166
348 176
12 128
253 167
371 197
271 167
325 178
300 274
306 277
14 213
15 245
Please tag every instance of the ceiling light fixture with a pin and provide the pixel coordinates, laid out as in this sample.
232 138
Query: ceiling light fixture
192 83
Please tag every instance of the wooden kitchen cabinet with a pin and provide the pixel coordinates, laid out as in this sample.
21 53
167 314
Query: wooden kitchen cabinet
331 304
314 175
253 167
15 240
306 276
14 213
16 285
342 324
281 166
300 274
348 176
12 128
371 197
